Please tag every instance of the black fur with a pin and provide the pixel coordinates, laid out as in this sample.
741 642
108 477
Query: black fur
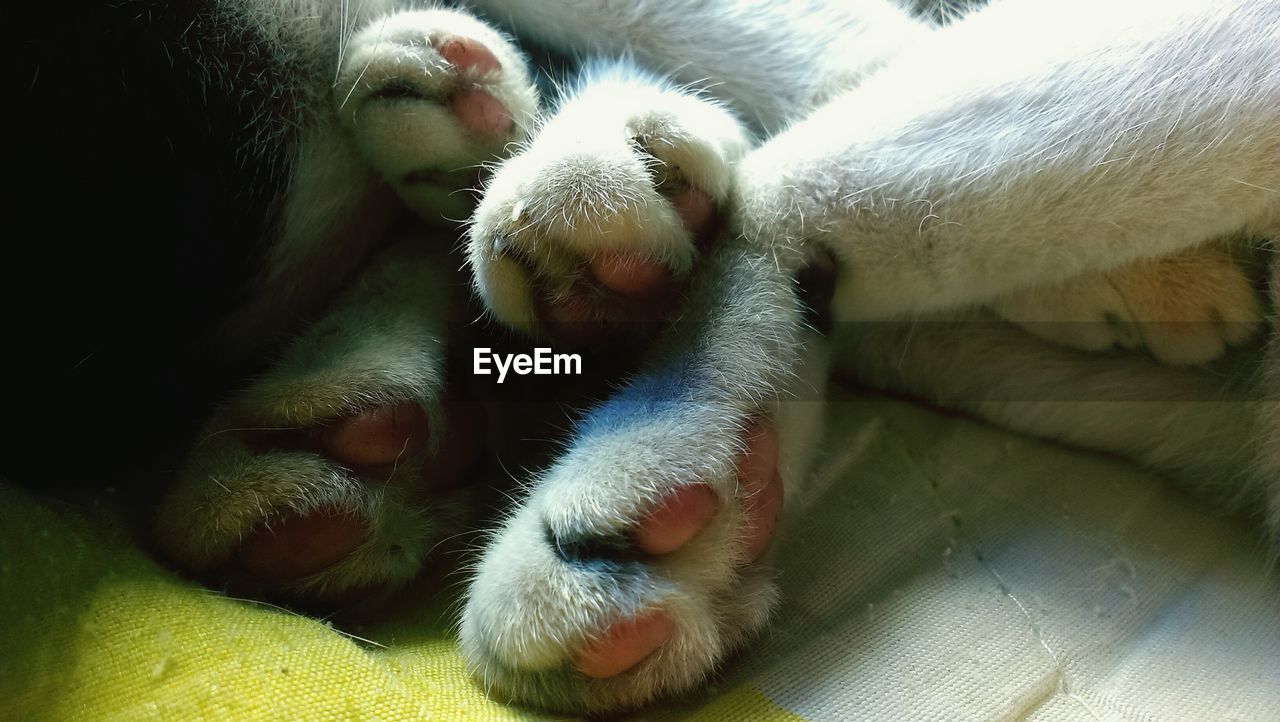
143 189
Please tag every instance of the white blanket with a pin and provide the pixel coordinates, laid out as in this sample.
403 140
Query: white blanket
944 569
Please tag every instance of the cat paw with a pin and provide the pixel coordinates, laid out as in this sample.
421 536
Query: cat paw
428 96
1184 309
332 476
630 572
599 220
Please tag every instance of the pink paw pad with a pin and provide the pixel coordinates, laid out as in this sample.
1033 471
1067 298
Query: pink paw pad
374 441
300 545
624 645
630 274
470 55
482 114
762 486
377 437
695 208
679 517
371 443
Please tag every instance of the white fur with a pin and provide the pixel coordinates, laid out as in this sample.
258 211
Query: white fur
582 186
1035 143
529 609
1031 143
335 211
404 136
772 60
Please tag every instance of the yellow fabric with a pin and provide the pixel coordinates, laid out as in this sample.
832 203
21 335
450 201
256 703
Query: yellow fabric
92 629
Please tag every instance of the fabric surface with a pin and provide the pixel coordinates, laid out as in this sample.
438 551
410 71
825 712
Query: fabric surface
935 568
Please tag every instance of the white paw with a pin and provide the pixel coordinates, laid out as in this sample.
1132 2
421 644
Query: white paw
599 218
429 95
333 474
1184 309
630 572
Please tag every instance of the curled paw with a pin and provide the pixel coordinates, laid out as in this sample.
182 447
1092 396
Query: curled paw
321 510
336 471
600 218
625 578
428 95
